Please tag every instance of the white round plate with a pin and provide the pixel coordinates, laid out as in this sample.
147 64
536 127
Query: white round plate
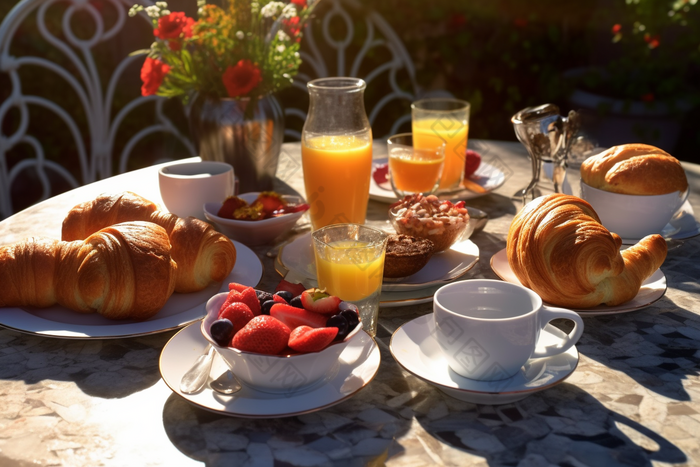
298 256
414 347
179 310
487 176
652 289
358 364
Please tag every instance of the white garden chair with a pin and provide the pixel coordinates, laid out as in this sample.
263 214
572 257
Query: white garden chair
92 155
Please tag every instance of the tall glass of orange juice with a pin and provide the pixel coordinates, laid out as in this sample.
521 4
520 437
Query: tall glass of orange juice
336 152
415 170
448 119
350 265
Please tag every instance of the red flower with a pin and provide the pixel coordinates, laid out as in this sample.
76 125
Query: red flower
172 25
152 74
649 97
241 78
653 41
300 3
616 28
292 25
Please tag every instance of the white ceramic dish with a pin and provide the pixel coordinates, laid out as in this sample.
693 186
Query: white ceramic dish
298 256
357 366
681 227
652 289
180 310
274 373
253 233
184 187
415 348
487 176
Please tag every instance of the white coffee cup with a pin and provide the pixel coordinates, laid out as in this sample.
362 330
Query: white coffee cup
488 329
633 216
185 187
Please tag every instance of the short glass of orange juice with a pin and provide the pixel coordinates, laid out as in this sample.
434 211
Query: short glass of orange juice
448 119
415 170
350 265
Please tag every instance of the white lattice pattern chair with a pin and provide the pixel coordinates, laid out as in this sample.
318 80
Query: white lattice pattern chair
93 120
326 51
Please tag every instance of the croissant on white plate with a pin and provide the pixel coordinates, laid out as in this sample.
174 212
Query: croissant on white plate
203 255
557 247
124 271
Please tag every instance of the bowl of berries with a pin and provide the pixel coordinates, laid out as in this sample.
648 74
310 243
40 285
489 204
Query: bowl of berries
256 218
279 343
442 222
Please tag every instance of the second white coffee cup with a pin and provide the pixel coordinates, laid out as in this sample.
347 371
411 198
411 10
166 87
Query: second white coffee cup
185 187
488 329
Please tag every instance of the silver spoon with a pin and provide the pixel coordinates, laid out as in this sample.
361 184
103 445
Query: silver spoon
196 377
227 383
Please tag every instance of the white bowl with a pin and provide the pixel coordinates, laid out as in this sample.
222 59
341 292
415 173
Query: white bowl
185 187
253 233
633 216
277 374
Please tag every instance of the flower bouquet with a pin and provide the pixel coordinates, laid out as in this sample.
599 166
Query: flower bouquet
248 48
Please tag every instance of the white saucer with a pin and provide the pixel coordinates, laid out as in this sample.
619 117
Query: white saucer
487 176
358 364
414 347
298 256
652 289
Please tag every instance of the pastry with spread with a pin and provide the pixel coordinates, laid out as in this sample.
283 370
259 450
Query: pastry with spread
406 255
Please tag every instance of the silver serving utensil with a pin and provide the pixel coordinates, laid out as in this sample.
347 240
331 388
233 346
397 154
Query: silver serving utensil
196 377
226 384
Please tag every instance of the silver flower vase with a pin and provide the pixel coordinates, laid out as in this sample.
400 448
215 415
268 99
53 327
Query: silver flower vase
245 133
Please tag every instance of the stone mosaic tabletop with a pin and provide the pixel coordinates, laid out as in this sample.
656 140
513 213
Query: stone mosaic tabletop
633 400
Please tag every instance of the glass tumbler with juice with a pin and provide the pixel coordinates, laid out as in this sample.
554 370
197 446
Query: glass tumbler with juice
350 265
447 119
414 170
336 152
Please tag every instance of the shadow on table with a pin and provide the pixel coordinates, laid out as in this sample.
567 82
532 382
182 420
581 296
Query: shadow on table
656 347
104 368
360 431
567 427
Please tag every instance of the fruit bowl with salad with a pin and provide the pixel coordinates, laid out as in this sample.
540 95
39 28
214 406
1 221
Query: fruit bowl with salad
278 342
256 218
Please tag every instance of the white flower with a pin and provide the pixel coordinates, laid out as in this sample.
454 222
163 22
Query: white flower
282 36
164 12
201 3
162 4
272 9
240 35
296 54
200 11
290 11
153 11
254 7
280 48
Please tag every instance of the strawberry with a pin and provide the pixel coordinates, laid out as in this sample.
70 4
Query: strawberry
238 313
250 298
305 339
269 202
319 301
230 205
294 317
263 334
295 289
237 287
472 161
290 208
279 299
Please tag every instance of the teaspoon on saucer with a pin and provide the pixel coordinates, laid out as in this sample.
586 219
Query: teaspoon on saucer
196 377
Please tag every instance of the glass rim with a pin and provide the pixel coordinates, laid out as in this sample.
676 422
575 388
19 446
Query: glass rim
370 244
456 104
410 134
337 83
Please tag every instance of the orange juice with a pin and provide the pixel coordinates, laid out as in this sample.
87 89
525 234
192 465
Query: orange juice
415 170
454 134
350 271
337 171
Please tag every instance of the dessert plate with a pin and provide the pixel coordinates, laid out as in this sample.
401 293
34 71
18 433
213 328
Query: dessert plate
179 310
358 364
487 176
298 256
652 289
414 347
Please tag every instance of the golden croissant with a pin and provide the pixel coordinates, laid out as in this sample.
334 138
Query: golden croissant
557 247
203 255
124 271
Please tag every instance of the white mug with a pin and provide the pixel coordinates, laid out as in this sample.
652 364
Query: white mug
185 187
488 329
